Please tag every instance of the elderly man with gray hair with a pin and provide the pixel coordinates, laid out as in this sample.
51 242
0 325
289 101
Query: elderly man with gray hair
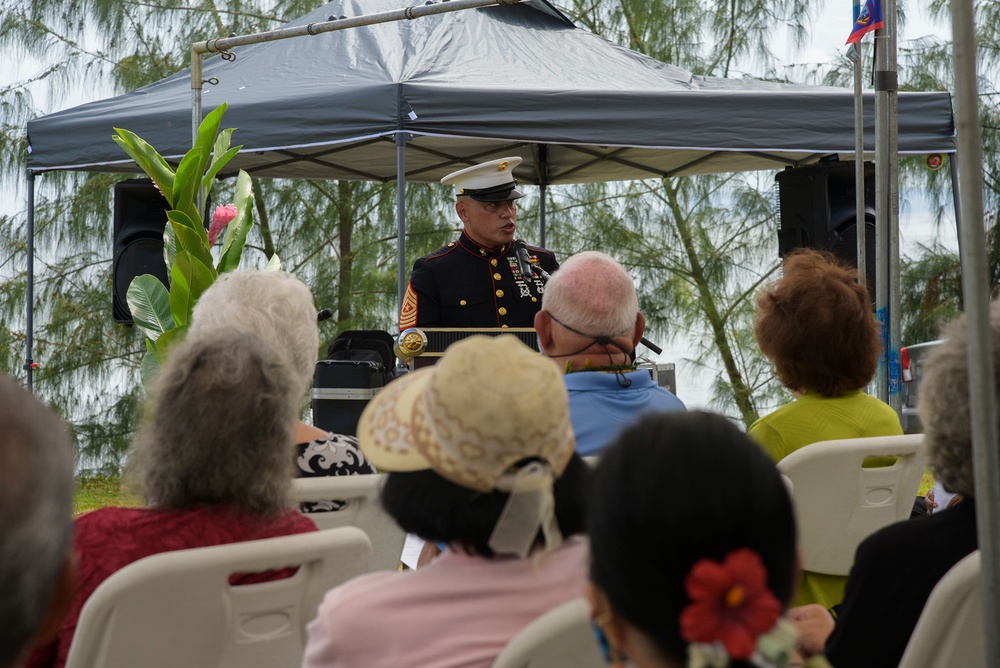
589 325
37 568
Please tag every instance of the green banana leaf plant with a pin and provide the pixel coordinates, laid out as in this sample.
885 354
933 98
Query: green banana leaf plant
163 314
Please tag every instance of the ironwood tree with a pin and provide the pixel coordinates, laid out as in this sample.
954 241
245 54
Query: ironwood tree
699 247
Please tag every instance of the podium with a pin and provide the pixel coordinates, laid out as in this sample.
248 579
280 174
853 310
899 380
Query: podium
426 345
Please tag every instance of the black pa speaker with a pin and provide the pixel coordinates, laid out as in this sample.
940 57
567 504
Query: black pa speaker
818 210
139 218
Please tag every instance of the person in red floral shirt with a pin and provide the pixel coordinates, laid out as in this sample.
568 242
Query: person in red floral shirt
698 571
212 460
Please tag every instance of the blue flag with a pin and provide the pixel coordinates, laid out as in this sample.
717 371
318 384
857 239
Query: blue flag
867 17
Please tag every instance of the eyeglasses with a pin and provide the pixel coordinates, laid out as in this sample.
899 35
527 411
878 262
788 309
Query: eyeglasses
492 207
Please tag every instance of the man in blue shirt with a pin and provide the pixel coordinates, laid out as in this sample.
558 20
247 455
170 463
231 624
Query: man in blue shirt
589 325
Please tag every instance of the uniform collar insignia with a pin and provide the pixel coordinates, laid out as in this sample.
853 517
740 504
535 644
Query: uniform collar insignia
482 251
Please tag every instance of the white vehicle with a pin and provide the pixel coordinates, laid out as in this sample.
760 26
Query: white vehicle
911 361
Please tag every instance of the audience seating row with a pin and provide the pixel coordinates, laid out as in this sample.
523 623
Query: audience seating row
838 503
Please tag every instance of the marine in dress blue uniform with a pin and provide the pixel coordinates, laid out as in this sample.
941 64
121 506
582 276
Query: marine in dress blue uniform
476 281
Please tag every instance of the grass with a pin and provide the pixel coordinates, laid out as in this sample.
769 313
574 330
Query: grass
97 490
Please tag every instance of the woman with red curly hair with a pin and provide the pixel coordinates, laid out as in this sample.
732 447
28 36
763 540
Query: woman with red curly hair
815 324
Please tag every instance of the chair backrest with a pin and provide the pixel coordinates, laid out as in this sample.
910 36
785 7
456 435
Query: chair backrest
364 511
839 503
789 485
178 608
561 638
950 629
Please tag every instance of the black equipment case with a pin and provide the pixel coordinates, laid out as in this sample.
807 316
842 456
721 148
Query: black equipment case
359 363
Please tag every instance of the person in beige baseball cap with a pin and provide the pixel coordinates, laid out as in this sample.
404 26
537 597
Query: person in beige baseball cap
480 454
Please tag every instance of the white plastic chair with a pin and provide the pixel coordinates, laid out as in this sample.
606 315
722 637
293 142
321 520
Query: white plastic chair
178 609
561 638
950 629
839 503
364 511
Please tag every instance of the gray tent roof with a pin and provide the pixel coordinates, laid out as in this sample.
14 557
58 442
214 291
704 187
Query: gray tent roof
475 84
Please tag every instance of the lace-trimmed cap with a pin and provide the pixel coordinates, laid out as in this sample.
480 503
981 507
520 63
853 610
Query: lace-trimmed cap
488 404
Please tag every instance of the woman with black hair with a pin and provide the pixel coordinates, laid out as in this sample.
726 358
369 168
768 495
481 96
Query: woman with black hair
697 572
481 457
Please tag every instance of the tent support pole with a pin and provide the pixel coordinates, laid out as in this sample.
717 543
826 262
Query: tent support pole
982 387
223 44
196 85
542 193
887 207
29 297
543 184
400 218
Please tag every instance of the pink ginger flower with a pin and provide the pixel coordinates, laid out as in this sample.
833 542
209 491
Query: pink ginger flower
222 216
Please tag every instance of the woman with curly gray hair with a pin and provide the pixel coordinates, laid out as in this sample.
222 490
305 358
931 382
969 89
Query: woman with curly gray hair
212 459
896 568
279 308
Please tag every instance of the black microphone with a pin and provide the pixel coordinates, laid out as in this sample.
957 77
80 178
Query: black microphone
325 314
652 346
524 262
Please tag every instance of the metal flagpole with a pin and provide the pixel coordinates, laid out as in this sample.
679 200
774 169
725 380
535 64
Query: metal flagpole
859 164
982 389
887 206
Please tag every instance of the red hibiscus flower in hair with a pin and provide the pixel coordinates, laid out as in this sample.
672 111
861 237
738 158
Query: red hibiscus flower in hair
730 603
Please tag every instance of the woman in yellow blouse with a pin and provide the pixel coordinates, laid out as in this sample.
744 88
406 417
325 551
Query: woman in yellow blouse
816 325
